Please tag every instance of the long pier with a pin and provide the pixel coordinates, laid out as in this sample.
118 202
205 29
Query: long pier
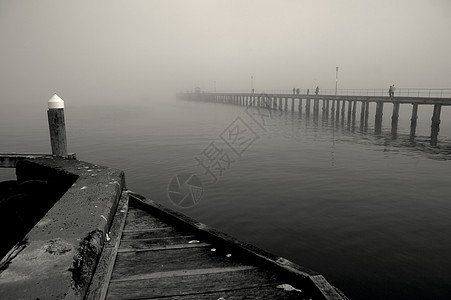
337 107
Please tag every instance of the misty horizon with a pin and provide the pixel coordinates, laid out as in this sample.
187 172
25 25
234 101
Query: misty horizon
106 51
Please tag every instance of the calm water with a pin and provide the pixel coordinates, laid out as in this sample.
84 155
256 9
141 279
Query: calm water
368 212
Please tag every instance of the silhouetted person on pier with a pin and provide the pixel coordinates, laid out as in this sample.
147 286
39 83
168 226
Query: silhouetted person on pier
391 91
294 91
297 91
252 91
317 90
308 91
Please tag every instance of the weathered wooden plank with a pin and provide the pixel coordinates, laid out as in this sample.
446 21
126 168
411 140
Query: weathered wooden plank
191 285
166 232
169 260
100 280
134 212
261 292
183 273
144 221
163 247
159 242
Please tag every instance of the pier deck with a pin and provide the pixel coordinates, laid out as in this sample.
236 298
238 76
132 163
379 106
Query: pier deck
155 253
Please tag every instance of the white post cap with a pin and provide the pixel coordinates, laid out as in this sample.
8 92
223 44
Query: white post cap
56 102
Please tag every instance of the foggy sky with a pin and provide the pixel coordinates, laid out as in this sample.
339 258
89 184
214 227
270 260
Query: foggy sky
134 50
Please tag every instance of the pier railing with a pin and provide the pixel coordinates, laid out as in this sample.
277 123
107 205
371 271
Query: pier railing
399 92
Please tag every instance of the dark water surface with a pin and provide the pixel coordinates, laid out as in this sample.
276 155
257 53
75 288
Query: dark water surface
370 213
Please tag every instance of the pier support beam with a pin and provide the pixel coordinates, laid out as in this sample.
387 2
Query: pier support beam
327 108
435 126
378 119
394 121
300 106
315 108
367 114
362 115
413 121
349 112
343 110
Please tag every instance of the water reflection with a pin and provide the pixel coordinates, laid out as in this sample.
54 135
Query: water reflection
344 126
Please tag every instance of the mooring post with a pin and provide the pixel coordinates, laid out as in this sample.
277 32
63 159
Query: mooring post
394 121
57 126
435 126
413 121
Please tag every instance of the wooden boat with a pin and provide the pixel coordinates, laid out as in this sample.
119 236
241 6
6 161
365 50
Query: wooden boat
156 253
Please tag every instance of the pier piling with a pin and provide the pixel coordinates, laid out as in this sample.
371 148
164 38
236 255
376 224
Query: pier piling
378 119
435 126
394 121
413 121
